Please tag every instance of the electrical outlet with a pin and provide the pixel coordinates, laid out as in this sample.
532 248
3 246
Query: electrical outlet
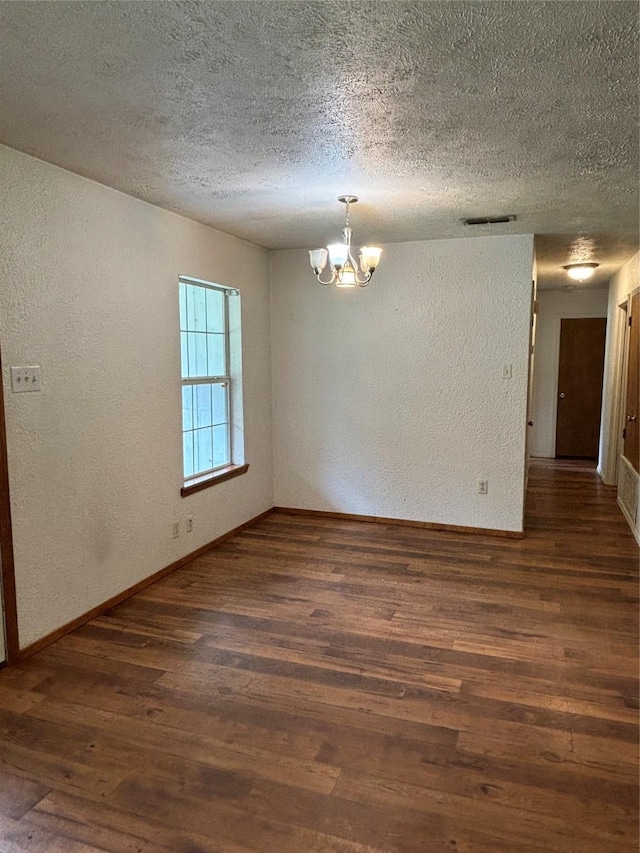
189 524
25 379
483 487
176 529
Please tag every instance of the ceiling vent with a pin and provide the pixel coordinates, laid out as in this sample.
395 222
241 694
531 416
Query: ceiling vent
489 220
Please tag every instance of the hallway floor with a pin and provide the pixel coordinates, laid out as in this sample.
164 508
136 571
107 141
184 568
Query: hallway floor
322 686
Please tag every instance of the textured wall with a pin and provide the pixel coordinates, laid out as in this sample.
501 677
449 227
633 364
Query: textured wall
620 286
554 305
390 401
90 292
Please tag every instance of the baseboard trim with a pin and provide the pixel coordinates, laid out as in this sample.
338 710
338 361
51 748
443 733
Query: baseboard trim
45 641
402 522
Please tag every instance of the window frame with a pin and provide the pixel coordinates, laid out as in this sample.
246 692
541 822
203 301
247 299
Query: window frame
220 473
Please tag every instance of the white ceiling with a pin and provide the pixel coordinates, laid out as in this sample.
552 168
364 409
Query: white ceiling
254 116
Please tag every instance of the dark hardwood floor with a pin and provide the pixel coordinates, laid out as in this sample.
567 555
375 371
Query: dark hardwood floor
320 686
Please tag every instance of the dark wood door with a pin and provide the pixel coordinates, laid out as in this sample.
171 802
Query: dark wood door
631 431
580 386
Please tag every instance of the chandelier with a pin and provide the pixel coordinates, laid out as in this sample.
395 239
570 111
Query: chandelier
344 269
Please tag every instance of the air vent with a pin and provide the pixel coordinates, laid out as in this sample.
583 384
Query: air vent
489 220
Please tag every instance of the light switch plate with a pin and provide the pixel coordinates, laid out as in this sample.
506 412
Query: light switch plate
25 378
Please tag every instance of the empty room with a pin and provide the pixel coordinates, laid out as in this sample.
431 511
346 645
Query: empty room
319 442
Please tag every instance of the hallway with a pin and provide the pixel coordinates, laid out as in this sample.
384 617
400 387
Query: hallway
324 686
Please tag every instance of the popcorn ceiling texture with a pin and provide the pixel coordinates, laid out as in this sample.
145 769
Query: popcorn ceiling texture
390 401
254 116
609 251
90 293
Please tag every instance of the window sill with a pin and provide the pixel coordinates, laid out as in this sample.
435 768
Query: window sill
196 484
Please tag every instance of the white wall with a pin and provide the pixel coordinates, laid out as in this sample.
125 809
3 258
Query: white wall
553 306
390 401
90 292
621 285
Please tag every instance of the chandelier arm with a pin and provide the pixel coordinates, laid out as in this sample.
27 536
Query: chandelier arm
331 280
363 282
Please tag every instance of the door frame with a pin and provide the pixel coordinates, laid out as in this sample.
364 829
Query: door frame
624 308
621 413
7 566
530 380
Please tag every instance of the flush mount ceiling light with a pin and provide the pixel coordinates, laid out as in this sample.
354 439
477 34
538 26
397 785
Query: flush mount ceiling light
344 269
580 272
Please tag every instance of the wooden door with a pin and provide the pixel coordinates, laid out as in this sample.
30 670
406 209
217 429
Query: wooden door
580 375
631 431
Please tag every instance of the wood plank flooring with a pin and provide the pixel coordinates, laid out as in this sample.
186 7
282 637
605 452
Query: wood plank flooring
320 686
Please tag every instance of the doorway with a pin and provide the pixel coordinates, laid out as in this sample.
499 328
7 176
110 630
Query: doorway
628 448
580 375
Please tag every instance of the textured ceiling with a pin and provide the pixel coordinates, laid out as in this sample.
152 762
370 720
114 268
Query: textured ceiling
610 252
254 116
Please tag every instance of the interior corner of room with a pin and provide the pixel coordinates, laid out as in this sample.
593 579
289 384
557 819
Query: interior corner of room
391 406
406 401
94 470
425 352
319 440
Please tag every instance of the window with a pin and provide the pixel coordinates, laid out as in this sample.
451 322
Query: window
210 361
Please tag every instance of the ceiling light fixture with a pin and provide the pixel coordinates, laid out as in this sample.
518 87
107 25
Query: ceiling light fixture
580 272
344 269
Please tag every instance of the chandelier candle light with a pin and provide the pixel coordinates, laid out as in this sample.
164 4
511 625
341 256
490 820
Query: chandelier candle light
344 269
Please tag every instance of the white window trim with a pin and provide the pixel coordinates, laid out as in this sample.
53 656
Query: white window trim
235 431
